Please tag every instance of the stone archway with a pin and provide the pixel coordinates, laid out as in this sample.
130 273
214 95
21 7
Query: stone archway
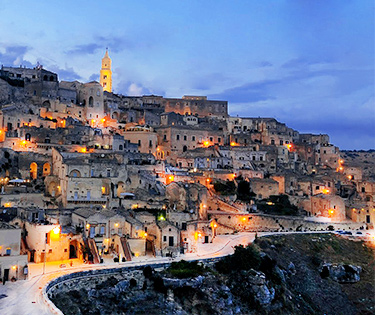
115 115
91 101
34 170
73 248
46 169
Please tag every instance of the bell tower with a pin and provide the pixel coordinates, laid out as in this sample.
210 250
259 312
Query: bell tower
106 73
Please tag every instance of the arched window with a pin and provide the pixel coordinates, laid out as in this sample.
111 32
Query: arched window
28 137
75 173
51 78
91 101
45 78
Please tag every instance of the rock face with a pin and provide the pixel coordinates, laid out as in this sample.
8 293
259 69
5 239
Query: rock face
341 273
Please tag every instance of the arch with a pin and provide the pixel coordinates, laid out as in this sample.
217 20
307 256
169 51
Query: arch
75 173
46 104
115 115
45 78
105 189
51 78
34 170
53 189
120 188
120 147
184 149
73 246
46 169
91 101
27 137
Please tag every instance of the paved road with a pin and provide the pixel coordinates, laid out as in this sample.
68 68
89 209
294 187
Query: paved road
25 297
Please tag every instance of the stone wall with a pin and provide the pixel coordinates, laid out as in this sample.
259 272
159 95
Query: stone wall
269 223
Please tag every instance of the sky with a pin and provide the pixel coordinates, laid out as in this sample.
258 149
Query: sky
309 64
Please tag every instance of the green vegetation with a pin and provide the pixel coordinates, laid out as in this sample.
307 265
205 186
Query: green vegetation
244 258
225 188
186 269
277 204
243 191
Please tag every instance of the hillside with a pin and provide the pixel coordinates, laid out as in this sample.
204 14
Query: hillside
276 275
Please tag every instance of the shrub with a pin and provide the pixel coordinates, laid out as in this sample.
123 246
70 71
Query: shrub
186 269
244 258
147 272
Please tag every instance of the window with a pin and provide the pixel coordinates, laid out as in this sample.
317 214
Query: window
164 238
108 172
177 137
139 143
211 139
165 137
193 138
102 230
219 139
185 138
104 77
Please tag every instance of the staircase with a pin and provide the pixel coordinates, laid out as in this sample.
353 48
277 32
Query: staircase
126 249
93 250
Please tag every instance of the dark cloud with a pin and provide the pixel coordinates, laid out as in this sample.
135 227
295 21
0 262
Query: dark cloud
14 56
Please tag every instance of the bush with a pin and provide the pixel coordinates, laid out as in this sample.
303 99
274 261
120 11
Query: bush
186 269
147 272
244 258
225 188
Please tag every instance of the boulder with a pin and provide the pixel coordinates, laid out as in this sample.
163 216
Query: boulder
341 273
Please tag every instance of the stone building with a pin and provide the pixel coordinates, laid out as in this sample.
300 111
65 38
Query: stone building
13 260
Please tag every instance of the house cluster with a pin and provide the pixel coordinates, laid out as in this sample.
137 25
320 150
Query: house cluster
89 174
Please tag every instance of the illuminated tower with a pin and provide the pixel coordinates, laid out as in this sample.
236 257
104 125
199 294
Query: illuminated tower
106 73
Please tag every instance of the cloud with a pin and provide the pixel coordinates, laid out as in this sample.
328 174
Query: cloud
85 49
67 74
14 56
115 44
251 92
94 77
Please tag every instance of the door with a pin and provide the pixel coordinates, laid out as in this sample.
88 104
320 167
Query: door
171 241
206 238
6 275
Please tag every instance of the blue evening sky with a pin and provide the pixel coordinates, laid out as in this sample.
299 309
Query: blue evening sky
310 64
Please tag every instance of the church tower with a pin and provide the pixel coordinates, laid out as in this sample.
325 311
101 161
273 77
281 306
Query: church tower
106 73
